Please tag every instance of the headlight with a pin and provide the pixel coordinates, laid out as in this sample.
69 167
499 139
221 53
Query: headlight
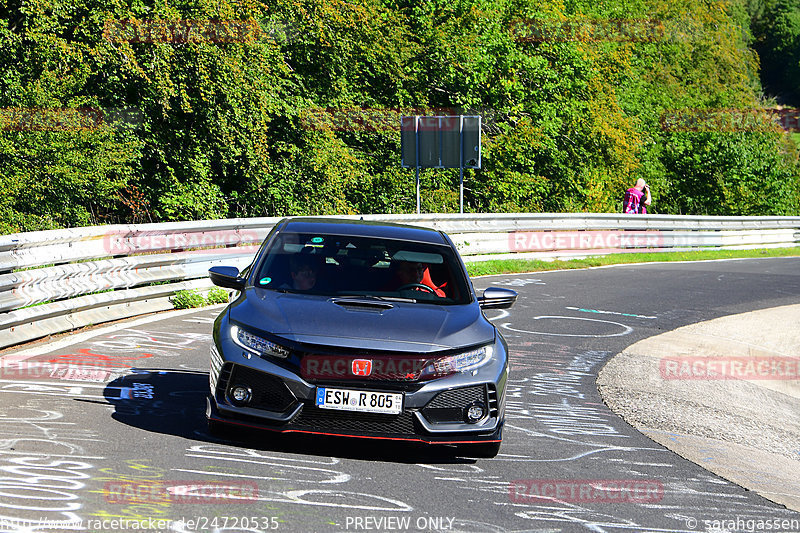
458 363
257 345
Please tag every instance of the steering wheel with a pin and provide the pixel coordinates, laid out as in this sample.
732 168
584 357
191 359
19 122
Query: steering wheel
416 286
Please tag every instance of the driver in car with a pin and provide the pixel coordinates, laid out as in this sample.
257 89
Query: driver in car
303 270
410 275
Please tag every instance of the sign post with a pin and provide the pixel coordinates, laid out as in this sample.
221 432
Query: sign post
441 142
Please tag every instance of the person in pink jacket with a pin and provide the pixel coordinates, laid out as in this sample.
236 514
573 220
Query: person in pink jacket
635 201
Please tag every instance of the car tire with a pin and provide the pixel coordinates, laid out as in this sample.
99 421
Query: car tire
481 451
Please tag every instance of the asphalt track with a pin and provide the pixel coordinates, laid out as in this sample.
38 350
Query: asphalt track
78 449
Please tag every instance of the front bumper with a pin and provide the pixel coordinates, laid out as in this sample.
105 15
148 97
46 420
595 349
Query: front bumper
433 411
369 431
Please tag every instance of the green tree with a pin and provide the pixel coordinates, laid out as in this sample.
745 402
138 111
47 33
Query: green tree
777 27
295 108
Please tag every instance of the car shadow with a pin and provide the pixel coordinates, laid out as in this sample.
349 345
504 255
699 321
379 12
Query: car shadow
173 402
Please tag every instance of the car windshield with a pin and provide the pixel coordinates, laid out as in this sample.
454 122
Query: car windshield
370 267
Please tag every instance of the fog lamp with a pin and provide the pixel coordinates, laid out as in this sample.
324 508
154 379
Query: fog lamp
241 394
475 412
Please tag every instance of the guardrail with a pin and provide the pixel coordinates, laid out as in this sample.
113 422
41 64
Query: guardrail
59 280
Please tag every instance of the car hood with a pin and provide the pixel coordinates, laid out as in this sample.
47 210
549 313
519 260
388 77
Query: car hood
390 326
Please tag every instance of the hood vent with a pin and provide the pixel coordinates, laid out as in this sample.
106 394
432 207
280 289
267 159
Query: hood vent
366 304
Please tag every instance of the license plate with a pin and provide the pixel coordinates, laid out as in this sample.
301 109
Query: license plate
362 401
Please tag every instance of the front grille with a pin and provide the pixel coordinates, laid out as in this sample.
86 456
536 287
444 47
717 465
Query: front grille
387 368
269 392
448 406
385 386
458 397
328 420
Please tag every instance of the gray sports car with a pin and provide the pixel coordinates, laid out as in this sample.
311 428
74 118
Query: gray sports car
360 329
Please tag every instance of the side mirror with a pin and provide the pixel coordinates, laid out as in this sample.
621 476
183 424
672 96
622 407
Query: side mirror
226 276
497 298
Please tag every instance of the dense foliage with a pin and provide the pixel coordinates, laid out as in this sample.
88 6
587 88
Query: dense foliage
295 111
776 28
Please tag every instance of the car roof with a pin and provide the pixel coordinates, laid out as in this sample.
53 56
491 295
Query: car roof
363 228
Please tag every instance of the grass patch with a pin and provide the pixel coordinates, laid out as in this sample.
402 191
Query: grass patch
516 266
188 299
216 295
